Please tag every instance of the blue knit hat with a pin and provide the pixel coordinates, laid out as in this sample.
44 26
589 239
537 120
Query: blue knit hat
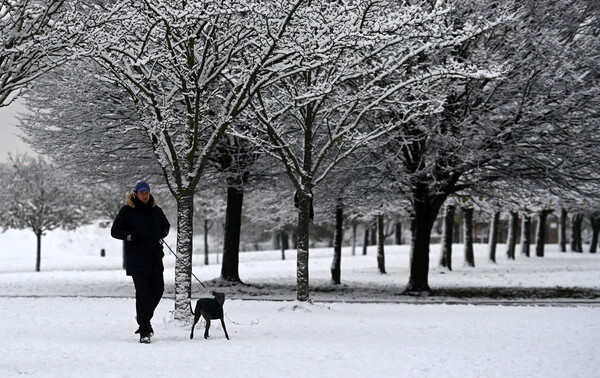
142 185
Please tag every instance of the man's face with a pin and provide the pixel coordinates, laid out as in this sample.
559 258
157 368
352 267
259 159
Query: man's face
144 196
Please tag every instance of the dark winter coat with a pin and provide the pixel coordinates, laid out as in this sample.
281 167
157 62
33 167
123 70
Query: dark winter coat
147 224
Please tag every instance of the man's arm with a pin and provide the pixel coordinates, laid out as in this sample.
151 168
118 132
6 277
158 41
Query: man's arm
119 229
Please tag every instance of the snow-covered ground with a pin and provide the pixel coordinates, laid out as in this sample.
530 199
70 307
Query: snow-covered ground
76 317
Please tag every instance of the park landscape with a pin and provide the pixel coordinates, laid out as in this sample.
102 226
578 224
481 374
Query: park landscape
378 187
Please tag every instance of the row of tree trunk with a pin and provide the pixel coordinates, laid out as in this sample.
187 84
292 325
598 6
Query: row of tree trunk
513 234
519 229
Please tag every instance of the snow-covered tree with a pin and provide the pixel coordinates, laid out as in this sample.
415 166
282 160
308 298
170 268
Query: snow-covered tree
190 68
348 73
34 36
519 127
106 143
37 196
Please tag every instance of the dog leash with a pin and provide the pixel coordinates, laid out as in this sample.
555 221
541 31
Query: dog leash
177 257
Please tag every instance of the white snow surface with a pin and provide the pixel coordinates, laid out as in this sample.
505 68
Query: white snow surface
76 317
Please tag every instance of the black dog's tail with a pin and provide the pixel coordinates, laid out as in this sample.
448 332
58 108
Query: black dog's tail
191 309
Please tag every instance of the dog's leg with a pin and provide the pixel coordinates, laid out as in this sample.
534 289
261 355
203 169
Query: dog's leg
196 318
207 318
224 329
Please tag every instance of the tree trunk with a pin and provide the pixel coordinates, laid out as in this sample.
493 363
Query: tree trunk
562 235
493 242
398 233
366 240
380 244
526 235
468 236
540 241
580 239
231 236
206 252
283 243
513 231
304 205
426 209
447 237
576 232
354 227
38 254
595 222
336 264
183 264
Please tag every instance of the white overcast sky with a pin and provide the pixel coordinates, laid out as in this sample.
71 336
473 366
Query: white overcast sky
9 139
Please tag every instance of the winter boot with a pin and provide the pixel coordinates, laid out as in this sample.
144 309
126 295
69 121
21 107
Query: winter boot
146 332
145 338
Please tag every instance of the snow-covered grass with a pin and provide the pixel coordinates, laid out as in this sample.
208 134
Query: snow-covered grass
76 317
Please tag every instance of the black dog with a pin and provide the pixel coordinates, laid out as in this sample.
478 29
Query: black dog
209 308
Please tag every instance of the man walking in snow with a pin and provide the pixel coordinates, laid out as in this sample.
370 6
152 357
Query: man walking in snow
142 224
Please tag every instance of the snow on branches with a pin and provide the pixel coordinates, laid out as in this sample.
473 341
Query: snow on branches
377 58
35 37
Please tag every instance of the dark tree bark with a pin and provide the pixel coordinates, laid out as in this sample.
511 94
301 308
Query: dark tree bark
540 242
526 235
206 251
468 236
231 242
354 227
38 255
576 228
398 233
493 242
513 231
366 240
580 238
447 237
380 245
336 264
562 235
283 243
426 208
595 222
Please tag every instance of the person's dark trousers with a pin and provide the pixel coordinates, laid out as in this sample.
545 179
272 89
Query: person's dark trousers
148 292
